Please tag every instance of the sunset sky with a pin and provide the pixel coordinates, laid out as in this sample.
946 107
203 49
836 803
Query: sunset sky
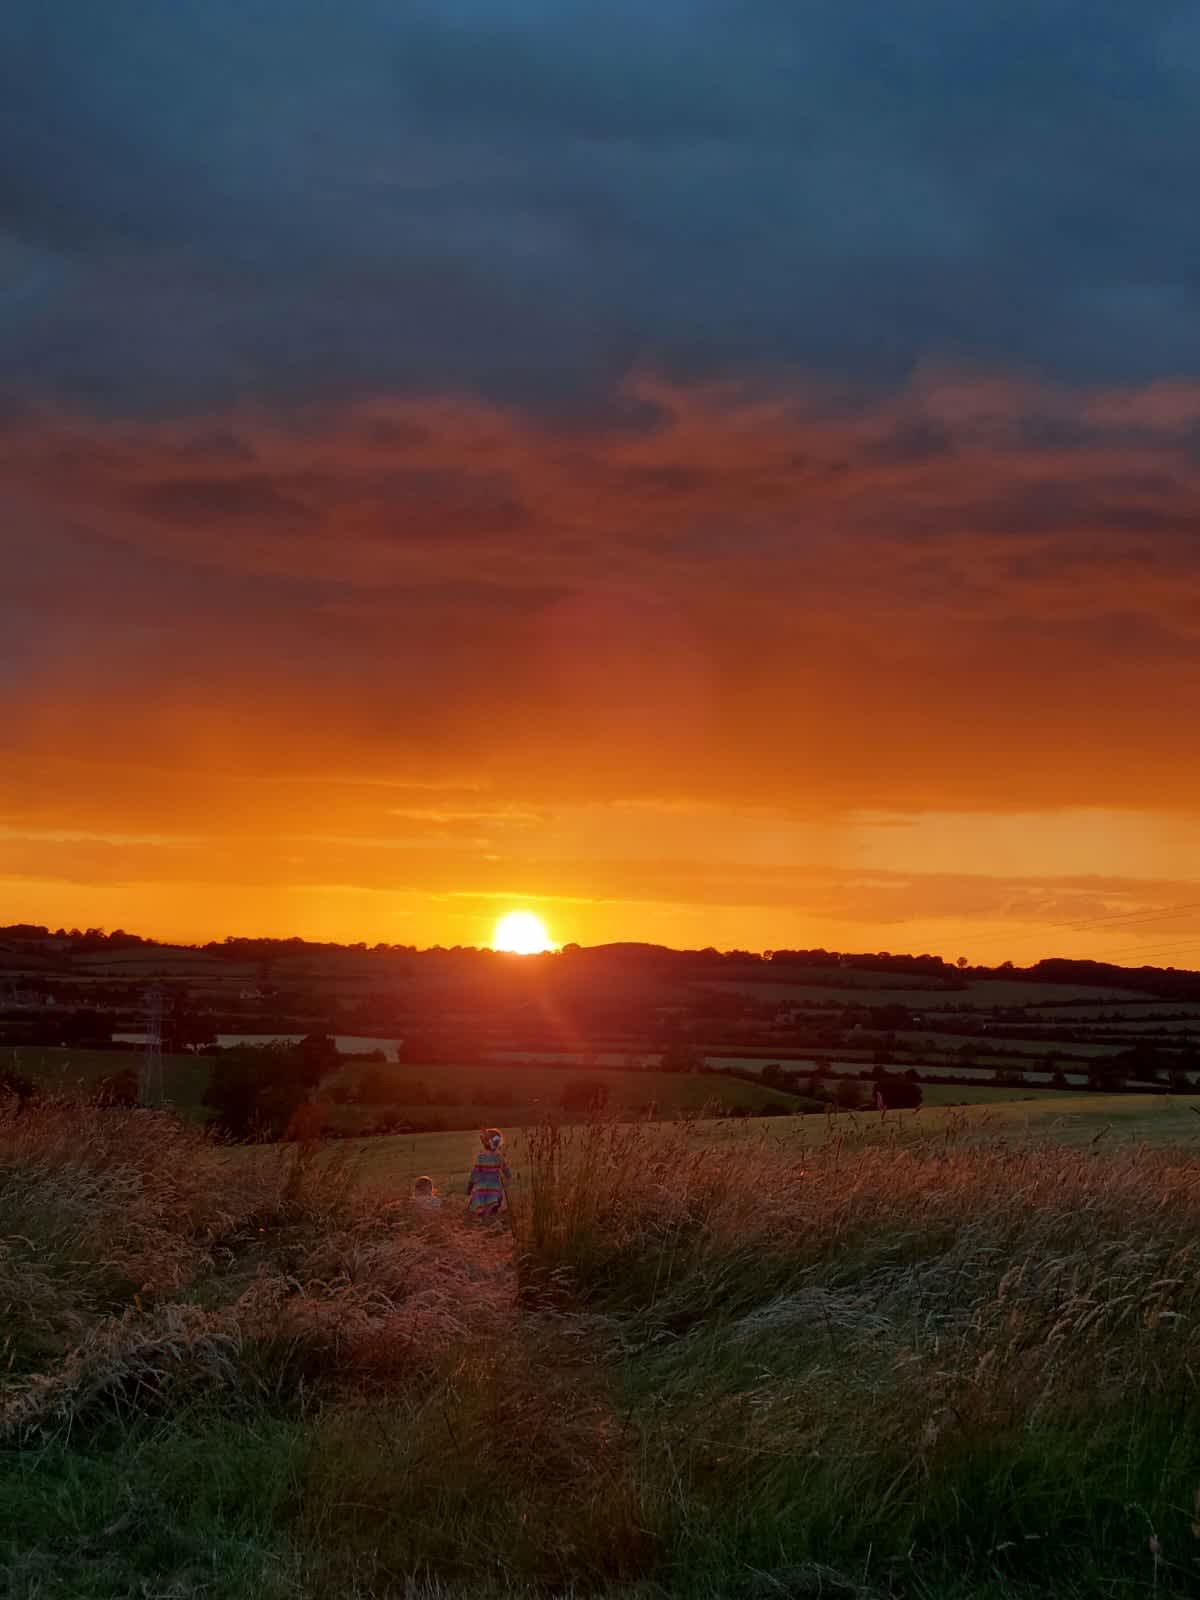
714 473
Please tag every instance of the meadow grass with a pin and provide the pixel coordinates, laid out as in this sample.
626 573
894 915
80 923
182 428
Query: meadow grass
698 1361
967 1115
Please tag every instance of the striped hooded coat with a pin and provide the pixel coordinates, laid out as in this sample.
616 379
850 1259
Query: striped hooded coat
487 1186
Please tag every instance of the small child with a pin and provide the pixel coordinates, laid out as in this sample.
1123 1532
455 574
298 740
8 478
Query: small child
487 1187
425 1195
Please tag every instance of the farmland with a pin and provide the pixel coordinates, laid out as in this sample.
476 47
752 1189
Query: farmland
468 1035
456 1094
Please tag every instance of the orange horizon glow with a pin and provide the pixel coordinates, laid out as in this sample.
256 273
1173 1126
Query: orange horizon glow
772 676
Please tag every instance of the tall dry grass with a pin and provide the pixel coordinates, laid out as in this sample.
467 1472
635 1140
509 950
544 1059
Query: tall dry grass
953 1353
703 1365
98 1209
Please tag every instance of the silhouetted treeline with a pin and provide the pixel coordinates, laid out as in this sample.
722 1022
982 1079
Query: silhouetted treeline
647 962
1167 983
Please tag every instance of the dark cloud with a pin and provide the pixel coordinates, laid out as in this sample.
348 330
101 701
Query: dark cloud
208 501
222 198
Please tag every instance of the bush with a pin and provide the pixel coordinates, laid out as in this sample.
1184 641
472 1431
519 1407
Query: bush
898 1094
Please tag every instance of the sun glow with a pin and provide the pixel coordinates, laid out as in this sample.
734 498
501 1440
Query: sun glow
521 934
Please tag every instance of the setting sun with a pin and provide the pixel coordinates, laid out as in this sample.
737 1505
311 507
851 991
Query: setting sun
521 934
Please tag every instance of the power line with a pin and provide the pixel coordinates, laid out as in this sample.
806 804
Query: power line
1129 918
1152 949
1118 921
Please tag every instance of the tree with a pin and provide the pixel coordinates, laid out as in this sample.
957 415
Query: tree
898 1094
255 1090
318 1054
185 1029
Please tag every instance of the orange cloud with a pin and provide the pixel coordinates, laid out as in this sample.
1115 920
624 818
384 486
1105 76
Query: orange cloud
269 634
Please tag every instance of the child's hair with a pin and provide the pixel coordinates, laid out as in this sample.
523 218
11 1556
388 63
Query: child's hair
423 1186
491 1138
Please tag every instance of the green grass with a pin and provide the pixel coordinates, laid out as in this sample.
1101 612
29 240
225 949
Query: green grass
202 1504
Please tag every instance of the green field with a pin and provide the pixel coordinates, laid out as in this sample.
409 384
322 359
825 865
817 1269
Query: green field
69 1072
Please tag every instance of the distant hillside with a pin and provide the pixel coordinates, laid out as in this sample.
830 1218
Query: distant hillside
29 947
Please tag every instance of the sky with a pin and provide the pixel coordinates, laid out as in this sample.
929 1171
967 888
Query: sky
717 473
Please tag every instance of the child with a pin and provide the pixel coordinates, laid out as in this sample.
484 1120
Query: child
425 1195
487 1187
